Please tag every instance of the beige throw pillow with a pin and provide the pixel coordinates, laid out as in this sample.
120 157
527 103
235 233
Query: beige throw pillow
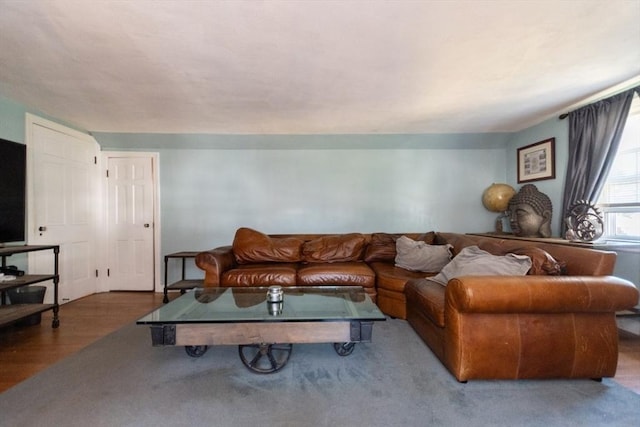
420 256
473 261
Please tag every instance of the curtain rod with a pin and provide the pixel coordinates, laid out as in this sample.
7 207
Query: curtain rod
614 90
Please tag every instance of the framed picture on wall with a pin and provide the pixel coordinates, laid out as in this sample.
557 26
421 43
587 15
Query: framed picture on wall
537 161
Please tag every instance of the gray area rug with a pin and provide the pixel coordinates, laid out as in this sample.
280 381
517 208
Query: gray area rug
123 381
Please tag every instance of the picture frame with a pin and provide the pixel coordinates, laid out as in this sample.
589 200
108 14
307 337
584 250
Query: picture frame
536 161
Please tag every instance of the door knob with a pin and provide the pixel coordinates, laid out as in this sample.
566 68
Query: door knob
146 225
42 228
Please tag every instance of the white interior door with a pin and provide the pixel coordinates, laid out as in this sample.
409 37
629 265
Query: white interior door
130 221
64 195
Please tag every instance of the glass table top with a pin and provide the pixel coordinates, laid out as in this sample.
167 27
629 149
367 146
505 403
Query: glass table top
226 305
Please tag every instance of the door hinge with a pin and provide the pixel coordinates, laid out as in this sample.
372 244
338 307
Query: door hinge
95 160
96 272
108 273
107 173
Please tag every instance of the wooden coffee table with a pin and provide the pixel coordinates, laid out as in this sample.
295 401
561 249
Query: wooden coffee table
264 332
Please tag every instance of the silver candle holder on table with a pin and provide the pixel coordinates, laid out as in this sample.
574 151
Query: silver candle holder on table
275 300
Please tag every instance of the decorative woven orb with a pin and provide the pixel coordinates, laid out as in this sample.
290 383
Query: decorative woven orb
584 222
496 197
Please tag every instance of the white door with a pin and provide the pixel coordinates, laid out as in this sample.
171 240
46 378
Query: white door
63 178
130 221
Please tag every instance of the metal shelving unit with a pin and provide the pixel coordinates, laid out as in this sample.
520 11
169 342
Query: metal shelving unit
10 313
183 284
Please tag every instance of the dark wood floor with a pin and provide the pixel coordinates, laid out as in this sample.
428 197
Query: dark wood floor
27 350
628 373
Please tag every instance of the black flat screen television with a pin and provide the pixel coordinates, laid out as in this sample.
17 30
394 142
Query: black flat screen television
13 178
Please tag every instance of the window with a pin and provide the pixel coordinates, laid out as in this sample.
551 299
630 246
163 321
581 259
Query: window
620 199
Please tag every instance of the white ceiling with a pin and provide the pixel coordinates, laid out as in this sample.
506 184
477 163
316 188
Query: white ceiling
313 67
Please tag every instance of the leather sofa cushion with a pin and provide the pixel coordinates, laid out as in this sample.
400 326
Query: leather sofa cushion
337 273
458 241
382 246
251 246
572 262
542 263
334 248
261 274
430 296
393 278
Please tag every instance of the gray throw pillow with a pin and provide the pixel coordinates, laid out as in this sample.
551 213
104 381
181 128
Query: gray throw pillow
473 261
420 256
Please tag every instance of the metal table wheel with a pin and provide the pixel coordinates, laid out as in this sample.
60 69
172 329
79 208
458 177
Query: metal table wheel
196 350
265 358
344 348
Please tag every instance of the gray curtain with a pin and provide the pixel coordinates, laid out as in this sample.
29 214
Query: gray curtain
594 136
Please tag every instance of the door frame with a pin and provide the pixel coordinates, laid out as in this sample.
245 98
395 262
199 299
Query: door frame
157 232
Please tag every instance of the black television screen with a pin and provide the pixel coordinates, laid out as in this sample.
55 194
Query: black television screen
13 177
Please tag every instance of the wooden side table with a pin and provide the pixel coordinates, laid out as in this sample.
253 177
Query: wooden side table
183 284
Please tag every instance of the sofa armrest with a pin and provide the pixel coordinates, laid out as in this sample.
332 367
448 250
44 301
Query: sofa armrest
214 262
539 294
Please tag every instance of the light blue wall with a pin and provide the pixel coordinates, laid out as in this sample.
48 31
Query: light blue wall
12 116
209 191
552 128
12 120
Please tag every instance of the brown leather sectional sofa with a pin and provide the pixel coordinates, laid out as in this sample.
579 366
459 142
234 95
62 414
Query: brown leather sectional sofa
558 321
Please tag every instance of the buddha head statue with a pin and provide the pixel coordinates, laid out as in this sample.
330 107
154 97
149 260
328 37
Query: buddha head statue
530 213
